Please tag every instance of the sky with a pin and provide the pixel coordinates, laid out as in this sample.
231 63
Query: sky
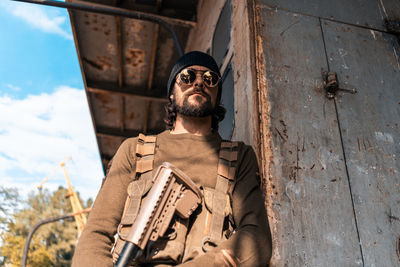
44 114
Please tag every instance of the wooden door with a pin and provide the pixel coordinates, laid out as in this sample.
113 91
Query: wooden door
332 169
370 132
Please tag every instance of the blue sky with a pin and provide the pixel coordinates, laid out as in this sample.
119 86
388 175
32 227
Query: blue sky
33 55
44 116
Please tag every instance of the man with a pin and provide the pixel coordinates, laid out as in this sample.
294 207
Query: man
193 145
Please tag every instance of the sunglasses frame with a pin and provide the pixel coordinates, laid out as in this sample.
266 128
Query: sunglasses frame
202 76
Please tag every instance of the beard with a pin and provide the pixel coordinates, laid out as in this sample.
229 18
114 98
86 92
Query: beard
199 109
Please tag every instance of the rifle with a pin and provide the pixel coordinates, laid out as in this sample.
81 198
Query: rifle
172 192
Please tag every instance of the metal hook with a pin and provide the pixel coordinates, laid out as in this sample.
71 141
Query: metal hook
204 241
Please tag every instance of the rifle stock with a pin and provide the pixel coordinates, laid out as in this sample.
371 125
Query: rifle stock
172 192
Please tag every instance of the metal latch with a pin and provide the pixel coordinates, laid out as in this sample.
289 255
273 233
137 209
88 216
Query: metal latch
331 84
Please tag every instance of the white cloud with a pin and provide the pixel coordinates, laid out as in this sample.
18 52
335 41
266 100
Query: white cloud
37 132
13 87
38 17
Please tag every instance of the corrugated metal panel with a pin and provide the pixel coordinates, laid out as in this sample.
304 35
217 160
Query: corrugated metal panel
105 106
99 58
125 66
137 41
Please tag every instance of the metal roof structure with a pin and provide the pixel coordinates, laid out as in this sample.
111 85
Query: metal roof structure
125 66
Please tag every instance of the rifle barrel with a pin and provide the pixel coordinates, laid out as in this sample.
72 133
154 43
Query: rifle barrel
128 253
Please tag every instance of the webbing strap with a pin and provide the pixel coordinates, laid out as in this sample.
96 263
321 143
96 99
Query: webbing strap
226 171
228 155
145 149
218 210
228 144
147 138
144 165
226 174
136 190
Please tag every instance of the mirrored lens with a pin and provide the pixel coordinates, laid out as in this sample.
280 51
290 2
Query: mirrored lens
187 76
210 78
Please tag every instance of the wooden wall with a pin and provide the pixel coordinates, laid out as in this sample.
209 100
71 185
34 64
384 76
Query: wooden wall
330 166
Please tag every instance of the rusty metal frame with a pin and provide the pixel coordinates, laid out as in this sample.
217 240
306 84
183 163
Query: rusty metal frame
152 68
109 87
116 11
120 72
261 107
110 131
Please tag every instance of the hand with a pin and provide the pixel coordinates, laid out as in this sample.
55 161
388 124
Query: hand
229 259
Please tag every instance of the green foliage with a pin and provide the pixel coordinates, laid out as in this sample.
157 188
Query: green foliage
52 244
9 199
39 256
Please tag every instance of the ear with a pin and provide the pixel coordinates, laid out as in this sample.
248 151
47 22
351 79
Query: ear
172 93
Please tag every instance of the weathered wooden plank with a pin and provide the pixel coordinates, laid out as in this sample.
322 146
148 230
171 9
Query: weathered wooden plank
309 199
360 12
391 9
370 126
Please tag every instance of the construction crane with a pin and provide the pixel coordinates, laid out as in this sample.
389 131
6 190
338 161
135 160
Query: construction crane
79 213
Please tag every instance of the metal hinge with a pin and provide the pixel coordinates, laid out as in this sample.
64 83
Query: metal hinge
331 84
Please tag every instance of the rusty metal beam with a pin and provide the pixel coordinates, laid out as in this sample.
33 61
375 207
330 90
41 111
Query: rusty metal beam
151 74
119 51
120 72
152 67
105 160
112 88
122 107
116 11
116 132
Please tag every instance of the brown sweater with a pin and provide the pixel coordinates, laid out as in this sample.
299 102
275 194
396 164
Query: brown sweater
197 156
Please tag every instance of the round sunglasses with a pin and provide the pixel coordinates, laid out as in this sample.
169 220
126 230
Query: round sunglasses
210 78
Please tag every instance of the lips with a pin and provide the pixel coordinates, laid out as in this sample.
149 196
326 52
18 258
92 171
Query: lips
199 93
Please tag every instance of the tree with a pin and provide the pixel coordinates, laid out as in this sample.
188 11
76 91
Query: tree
53 244
9 199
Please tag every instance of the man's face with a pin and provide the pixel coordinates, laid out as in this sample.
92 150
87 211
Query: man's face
195 100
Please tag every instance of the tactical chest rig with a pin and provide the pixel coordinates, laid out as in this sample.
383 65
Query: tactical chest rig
212 224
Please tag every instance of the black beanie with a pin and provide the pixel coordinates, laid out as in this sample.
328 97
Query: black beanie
190 59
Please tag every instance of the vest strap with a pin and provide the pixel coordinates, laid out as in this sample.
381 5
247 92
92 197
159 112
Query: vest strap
141 185
147 138
145 149
228 155
226 173
144 164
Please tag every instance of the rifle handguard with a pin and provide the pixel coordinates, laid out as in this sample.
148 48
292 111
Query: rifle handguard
172 191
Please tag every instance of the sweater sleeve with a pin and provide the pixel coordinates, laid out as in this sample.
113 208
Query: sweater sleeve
95 243
251 243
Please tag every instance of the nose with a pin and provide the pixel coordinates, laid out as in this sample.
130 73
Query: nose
199 81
